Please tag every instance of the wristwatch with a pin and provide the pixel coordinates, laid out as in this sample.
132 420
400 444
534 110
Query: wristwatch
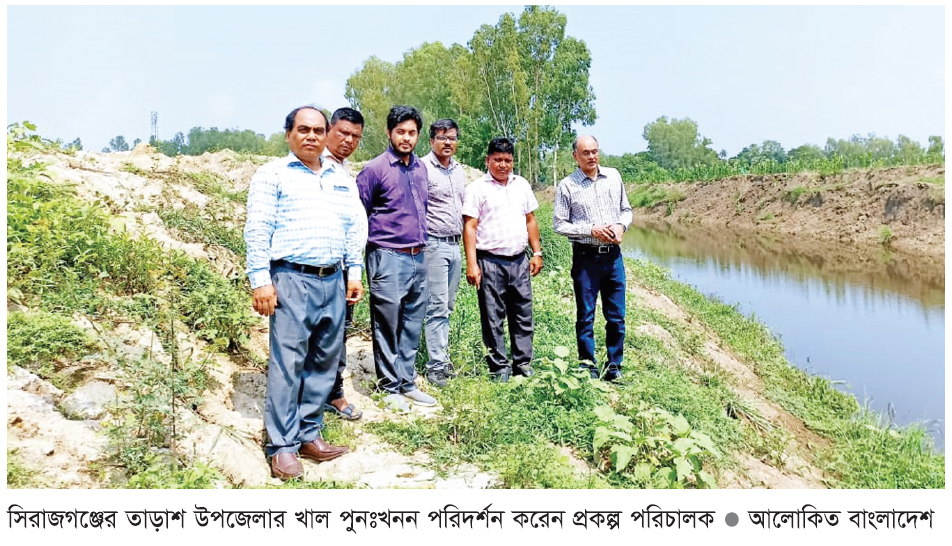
537 254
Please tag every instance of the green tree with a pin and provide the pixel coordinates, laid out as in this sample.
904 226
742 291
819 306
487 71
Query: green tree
807 153
118 144
368 90
909 150
936 146
676 144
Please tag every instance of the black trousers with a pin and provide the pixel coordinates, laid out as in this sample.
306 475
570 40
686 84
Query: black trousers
505 293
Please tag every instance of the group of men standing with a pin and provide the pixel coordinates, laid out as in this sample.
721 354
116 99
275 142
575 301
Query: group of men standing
310 222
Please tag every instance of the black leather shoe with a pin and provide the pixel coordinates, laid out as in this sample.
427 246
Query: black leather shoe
591 370
500 377
525 371
613 375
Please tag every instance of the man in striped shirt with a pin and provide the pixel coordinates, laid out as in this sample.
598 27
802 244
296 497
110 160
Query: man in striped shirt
591 208
305 223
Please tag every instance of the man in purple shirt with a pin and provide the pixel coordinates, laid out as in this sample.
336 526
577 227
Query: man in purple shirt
393 188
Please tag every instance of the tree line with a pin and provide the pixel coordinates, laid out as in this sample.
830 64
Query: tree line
524 78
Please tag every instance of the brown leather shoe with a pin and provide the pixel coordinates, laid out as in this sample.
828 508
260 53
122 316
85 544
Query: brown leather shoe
321 451
286 466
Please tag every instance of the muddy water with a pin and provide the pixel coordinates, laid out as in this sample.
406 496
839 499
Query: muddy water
872 320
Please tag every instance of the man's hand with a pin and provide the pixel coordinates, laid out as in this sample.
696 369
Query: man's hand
610 234
264 299
618 231
535 265
603 233
474 275
355 291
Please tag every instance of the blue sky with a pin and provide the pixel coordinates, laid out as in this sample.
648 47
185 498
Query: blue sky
745 74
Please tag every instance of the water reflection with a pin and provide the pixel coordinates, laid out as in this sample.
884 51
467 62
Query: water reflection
872 319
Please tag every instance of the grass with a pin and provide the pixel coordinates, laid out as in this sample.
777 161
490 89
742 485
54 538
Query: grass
649 196
864 453
19 475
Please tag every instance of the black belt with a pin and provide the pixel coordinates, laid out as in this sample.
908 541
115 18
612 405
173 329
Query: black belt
320 271
455 239
487 254
593 249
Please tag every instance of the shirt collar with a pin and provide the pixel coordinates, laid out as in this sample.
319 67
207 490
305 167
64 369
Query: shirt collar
435 161
327 154
394 158
580 174
490 178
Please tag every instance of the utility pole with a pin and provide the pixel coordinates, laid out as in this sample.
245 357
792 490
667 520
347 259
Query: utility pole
155 126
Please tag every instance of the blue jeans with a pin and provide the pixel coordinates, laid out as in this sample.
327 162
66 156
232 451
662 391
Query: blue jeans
442 278
307 336
595 273
398 299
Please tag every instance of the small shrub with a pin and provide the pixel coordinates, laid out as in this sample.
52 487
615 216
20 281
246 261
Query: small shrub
42 341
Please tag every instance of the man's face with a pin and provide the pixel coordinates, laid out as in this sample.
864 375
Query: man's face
499 165
586 154
343 138
403 137
307 137
444 144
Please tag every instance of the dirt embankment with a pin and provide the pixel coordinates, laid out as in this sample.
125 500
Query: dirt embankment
902 208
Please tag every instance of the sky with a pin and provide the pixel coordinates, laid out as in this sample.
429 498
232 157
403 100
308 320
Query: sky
745 74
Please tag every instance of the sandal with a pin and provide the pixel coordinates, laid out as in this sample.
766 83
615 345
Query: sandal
349 413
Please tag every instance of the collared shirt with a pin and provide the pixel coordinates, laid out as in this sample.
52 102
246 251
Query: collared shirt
581 203
501 210
327 155
302 216
394 197
447 186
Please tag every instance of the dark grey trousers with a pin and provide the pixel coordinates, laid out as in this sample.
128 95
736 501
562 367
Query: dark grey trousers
505 293
307 335
398 299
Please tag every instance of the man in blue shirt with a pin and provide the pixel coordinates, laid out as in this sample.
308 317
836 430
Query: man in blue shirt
304 224
393 189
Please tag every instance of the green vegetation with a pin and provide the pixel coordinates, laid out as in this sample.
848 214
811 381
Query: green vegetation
20 476
864 452
43 343
886 236
62 256
934 180
667 425
648 196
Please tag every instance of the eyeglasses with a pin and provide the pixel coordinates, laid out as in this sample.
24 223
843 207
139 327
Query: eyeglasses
444 138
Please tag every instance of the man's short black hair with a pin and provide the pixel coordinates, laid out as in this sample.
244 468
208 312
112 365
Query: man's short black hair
443 125
500 145
289 120
399 114
347 114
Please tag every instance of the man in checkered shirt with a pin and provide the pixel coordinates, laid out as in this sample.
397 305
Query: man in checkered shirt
592 210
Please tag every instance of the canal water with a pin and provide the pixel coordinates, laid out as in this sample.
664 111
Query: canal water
868 319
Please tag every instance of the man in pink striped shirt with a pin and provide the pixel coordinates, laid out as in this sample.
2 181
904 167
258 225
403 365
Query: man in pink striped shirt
498 224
